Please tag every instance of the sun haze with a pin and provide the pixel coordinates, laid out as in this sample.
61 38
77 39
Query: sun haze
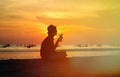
81 21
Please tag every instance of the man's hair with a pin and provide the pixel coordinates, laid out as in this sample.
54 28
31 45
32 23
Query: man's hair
51 28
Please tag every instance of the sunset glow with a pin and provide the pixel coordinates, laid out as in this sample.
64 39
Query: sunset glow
81 21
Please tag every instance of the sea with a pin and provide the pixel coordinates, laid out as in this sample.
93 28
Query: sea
23 52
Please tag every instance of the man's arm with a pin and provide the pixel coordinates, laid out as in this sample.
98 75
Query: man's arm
58 40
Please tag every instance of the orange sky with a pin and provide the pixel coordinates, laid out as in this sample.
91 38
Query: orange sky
81 21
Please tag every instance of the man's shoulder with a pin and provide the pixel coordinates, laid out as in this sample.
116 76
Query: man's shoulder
46 40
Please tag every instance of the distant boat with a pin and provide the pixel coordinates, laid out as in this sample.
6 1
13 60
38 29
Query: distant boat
30 45
7 45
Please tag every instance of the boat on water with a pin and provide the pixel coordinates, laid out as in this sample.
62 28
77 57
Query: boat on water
7 45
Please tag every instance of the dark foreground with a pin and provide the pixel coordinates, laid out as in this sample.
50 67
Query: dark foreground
72 67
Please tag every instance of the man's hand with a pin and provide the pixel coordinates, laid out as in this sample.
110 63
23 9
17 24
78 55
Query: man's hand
60 37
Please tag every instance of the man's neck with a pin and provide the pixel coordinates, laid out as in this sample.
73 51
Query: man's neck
51 36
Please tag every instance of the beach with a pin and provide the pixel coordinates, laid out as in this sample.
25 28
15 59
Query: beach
59 38
80 62
95 66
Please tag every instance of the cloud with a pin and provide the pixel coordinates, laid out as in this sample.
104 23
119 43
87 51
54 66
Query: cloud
94 13
98 15
11 17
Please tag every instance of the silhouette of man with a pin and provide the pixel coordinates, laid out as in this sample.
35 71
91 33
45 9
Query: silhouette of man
48 47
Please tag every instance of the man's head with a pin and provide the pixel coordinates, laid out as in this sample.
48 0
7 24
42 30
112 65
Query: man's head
52 30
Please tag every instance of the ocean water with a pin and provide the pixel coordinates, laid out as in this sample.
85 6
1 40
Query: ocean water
21 52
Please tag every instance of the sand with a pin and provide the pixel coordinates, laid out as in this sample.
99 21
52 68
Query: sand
95 66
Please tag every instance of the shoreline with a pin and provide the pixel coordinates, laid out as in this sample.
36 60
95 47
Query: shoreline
105 66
